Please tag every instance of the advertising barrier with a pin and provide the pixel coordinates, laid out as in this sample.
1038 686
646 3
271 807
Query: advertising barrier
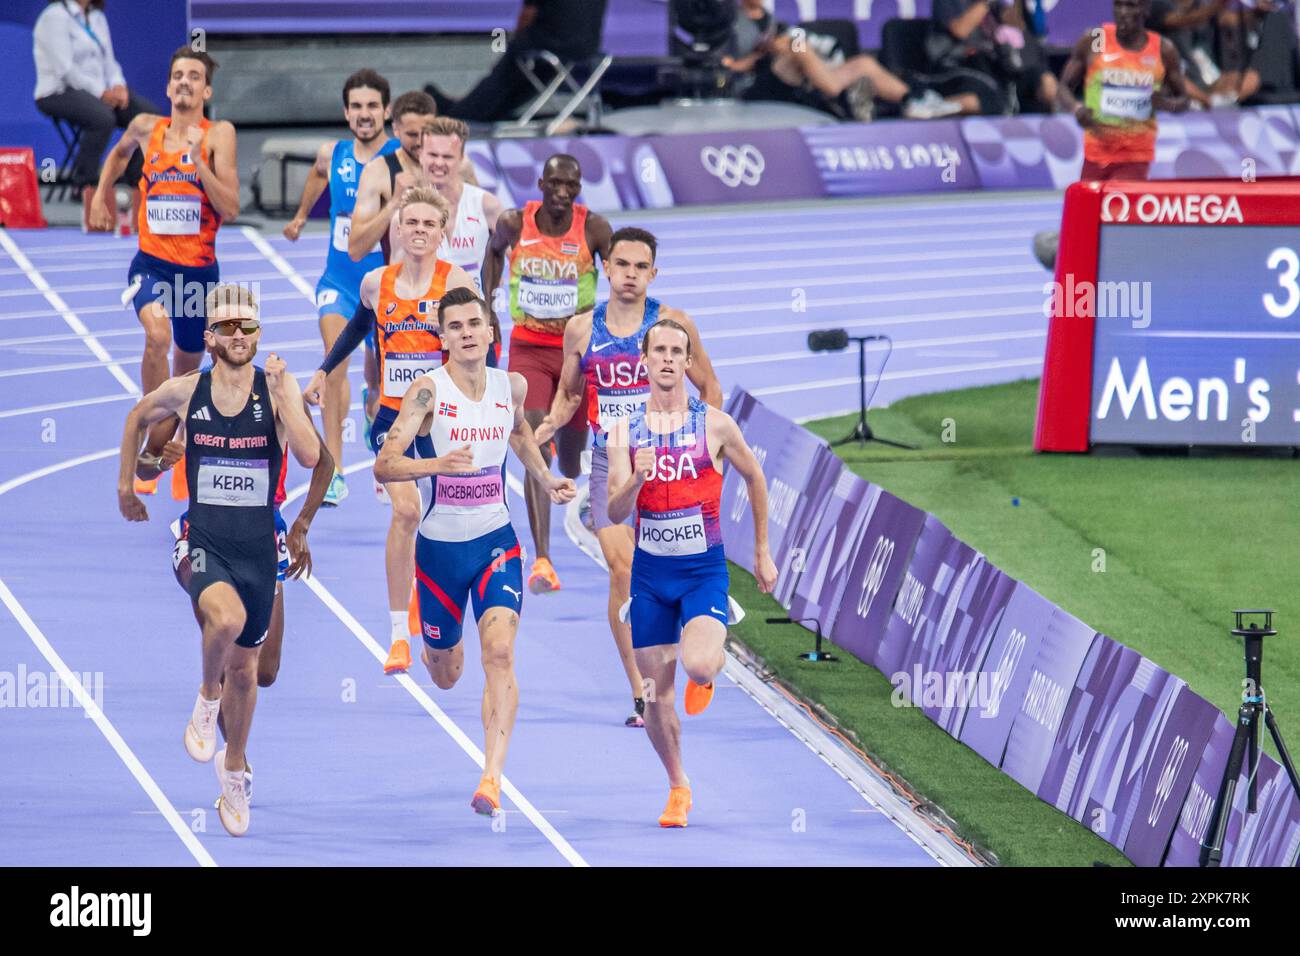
1171 767
1085 723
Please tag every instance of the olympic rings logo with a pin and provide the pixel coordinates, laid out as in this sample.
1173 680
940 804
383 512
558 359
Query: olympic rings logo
734 165
881 554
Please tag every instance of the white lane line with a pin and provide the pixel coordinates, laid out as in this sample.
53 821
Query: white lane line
13 483
784 357
70 317
134 330
903 318
274 258
895 376
76 366
847 765
55 406
117 287
869 223
264 298
777 305
670 272
431 708
124 752
120 747
817 282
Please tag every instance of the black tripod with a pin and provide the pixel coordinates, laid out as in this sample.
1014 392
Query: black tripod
1253 706
862 431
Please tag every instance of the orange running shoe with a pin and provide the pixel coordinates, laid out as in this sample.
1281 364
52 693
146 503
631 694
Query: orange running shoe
487 798
679 803
149 487
413 613
698 696
399 658
179 490
543 577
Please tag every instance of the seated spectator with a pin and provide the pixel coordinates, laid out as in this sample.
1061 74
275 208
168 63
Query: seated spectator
1190 26
778 68
570 29
79 80
1257 49
982 48
1035 82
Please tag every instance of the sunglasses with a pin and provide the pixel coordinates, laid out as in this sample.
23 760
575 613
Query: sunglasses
228 326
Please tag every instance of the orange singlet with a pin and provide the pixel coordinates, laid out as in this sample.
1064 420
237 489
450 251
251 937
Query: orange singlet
407 331
178 223
1118 88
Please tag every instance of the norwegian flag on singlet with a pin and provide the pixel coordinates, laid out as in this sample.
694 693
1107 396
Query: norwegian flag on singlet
445 409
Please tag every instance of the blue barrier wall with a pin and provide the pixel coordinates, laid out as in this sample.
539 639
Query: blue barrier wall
144 34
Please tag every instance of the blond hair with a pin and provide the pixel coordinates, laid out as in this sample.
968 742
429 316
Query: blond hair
447 126
229 295
427 195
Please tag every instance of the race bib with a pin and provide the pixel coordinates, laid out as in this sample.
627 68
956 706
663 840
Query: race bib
612 405
1126 102
342 229
236 482
326 297
282 546
672 533
484 487
403 368
174 215
548 298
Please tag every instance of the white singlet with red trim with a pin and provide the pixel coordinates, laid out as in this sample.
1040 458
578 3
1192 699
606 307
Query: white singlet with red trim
465 243
465 507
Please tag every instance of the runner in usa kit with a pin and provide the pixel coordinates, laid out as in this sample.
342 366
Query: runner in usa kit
665 463
602 359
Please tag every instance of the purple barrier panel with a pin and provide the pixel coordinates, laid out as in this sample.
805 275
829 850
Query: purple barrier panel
1232 143
1271 835
1194 815
1172 764
917 610
1039 709
739 405
739 166
821 584
970 619
788 454
814 497
612 168
880 560
1119 703
1024 152
1276 837
1005 671
865 159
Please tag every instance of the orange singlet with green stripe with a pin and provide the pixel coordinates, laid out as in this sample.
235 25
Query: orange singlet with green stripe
407 331
552 278
177 221
1118 88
